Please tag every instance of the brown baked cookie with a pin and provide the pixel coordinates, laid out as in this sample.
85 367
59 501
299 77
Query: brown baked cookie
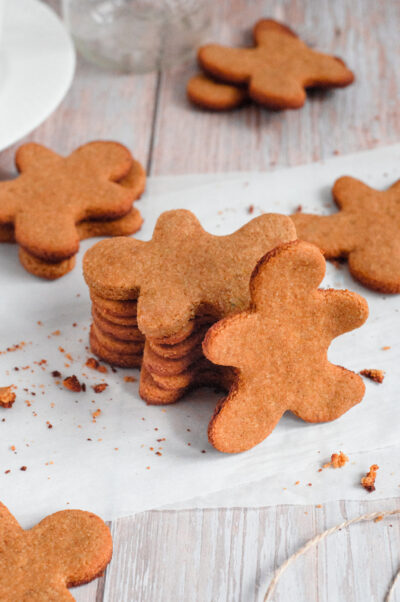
117 345
207 93
52 194
154 394
124 333
120 309
45 269
278 69
125 321
157 364
279 348
66 549
115 358
365 230
183 271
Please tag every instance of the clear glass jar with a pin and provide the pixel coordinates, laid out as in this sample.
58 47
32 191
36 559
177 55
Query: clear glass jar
137 35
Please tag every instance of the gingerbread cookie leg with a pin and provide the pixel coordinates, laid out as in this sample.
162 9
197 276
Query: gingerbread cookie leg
206 93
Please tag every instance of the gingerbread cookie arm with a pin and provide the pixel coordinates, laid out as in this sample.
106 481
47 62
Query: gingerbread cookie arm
233 65
333 234
331 392
342 311
135 179
326 71
51 235
106 160
80 545
33 156
224 342
233 428
367 265
349 192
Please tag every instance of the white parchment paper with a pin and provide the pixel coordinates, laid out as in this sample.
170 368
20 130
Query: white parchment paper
109 463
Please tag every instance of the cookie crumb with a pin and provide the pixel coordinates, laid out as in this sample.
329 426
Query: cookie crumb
376 375
72 384
368 482
378 519
100 387
23 468
129 379
95 365
337 460
56 374
299 209
7 397
386 348
250 209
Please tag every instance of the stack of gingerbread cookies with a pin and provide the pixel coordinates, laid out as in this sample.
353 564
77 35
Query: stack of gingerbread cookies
57 201
168 292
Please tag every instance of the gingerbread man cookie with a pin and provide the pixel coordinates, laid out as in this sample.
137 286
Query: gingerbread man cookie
279 350
365 230
183 270
64 550
278 69
43 205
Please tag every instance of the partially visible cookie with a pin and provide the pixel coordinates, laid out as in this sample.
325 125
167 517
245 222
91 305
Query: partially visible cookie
278 69
216 96
279 349
67 549
365 230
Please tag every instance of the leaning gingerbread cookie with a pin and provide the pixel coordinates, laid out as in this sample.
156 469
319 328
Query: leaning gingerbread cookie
276 71
365 231
279 350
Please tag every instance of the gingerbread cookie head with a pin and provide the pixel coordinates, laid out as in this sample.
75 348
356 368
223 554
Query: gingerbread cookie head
279 350
64 550
278 69
52 194
183 271
365 230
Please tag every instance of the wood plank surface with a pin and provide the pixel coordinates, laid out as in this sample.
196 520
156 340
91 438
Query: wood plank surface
228 555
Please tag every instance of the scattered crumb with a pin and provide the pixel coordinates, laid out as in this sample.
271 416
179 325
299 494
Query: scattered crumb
7 397
56 374
96 414
368 482
337 460
56 333
72 384
378 518
376 375
386 348
129 379
23 468
99 388
299 209
95 365
297 483
250 209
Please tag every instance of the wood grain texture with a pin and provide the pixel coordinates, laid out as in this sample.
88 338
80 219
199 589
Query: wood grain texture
229 555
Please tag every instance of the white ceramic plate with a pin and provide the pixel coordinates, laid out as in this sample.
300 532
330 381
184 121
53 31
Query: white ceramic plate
37 62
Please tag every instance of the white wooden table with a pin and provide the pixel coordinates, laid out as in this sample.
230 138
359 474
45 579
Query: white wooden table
229 555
